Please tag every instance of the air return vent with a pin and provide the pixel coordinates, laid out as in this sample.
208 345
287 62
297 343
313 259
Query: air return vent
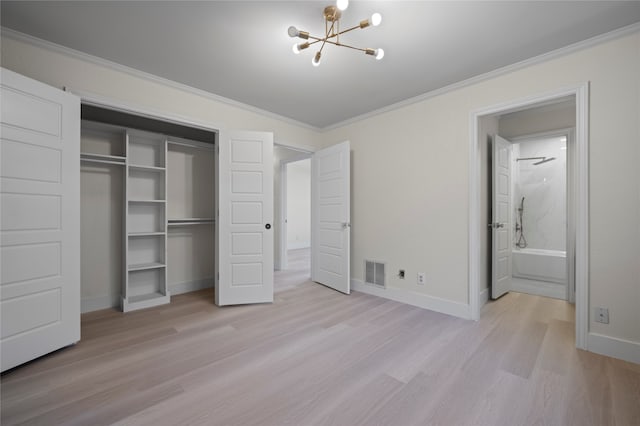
374 273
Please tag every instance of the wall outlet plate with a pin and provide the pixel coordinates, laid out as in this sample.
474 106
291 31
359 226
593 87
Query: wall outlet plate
421 278
601 315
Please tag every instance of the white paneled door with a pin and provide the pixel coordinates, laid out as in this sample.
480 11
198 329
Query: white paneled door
331 217
501 266
245 223
40 219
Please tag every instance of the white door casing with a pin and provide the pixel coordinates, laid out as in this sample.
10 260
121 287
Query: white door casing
244 226
40 219
331 217
501 267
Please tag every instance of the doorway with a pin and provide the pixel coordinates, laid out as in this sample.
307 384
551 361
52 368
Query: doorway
292 180
484 123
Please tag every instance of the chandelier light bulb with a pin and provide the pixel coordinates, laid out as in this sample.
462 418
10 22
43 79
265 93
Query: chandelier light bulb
379 54
296 49
316 59
342 4
375 20
293 31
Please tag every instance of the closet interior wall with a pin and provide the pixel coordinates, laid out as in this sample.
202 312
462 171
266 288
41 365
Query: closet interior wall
187 186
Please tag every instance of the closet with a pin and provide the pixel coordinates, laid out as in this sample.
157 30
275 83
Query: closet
147 210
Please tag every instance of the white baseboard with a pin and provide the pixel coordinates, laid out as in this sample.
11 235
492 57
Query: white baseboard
539 288
298 245
614 347
484 297
90 304
190 286
437 304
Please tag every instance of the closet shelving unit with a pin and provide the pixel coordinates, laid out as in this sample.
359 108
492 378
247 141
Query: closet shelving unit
145 280
167 225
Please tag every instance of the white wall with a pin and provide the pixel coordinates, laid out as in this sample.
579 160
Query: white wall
410 179
299 204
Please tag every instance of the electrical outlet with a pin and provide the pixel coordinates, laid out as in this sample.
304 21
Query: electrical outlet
421 278
601 315
401 274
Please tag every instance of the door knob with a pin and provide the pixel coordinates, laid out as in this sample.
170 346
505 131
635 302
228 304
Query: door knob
268 226
346 225
496 225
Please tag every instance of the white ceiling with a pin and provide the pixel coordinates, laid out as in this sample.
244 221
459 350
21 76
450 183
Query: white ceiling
241 50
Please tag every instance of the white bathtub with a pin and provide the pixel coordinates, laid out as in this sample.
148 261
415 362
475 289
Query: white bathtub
540 265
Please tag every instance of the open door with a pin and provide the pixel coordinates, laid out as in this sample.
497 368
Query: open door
330 217
245 217
501 267
40 219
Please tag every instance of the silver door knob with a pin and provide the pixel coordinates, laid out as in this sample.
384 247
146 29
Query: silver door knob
496 225
346 225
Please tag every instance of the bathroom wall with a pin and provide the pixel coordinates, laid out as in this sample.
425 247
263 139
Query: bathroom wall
545 190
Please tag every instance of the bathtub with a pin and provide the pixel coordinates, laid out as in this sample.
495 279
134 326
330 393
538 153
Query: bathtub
540 265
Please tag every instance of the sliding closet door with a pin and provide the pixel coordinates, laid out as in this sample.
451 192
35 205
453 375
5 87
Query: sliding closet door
244 226
40 225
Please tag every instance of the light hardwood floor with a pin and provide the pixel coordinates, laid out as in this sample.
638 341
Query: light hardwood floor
316 356
298 270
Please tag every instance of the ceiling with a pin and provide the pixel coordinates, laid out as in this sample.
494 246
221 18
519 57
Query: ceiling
240 50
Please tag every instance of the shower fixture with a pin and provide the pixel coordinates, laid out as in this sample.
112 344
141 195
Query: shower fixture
522 241
542 159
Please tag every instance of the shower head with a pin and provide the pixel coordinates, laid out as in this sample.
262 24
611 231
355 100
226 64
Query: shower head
544 160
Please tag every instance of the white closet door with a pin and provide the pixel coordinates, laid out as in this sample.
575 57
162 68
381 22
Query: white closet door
245 223
40 225
330 217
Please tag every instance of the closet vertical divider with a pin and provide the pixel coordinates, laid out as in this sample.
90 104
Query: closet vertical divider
145 221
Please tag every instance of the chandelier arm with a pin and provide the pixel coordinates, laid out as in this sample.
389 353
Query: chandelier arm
346 45
324 41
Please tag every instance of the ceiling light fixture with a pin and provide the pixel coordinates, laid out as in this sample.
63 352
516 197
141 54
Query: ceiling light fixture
332 15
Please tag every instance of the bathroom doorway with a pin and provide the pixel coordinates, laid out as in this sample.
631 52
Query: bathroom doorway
550 115
540 242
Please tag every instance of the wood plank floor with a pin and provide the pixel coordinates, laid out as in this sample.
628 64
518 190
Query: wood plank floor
316 356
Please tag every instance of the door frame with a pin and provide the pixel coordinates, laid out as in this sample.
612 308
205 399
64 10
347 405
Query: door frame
569 133
580 201
282 261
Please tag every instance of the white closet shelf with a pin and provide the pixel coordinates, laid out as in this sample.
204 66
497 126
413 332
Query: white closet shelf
191 221
102 158
147 201
146 266
145 301
146 168
146 234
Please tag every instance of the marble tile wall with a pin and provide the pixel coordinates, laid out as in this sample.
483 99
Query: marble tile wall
544 190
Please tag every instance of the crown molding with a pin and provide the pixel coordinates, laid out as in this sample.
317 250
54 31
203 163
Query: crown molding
76 54
563 51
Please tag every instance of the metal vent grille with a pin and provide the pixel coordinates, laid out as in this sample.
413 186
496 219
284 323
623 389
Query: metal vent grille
374 273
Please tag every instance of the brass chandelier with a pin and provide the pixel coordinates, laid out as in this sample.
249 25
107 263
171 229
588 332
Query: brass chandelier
332 15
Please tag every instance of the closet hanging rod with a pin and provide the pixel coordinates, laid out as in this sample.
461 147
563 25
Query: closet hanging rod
190 145
95 160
